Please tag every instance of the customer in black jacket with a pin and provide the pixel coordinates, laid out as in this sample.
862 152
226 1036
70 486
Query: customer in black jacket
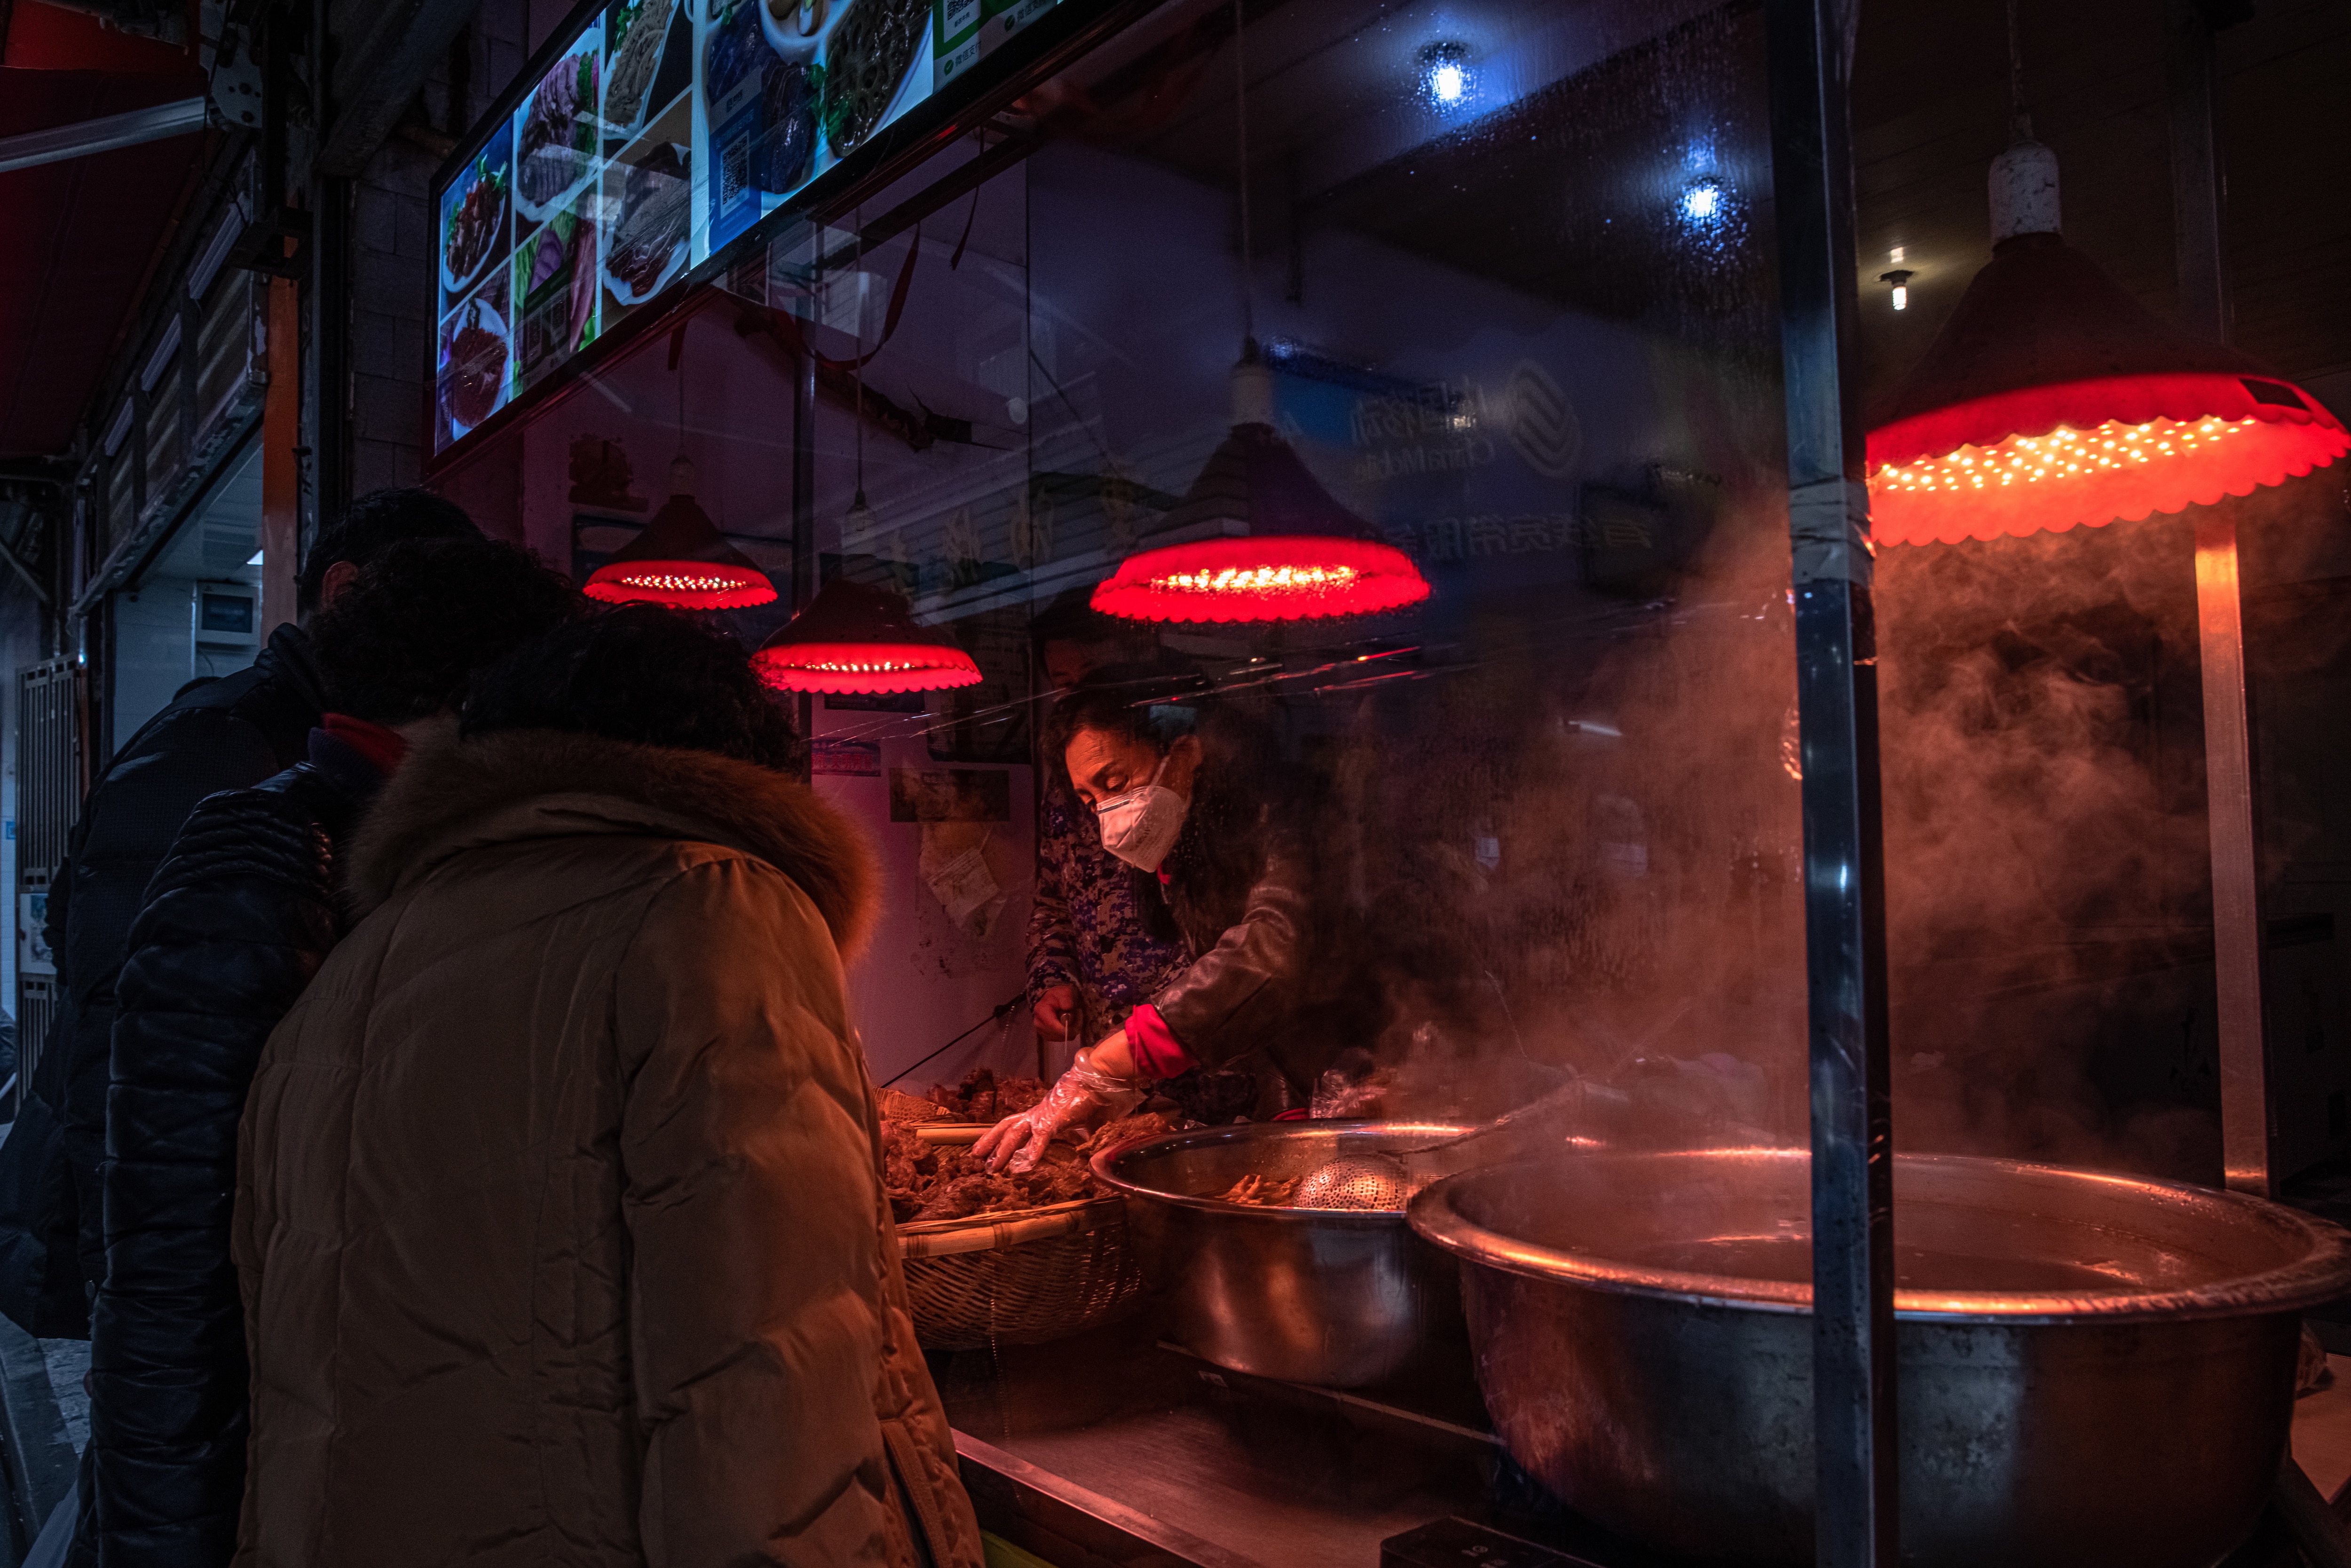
226 735
239 916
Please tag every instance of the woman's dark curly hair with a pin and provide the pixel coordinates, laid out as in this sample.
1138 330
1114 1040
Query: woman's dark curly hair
423 616
640 674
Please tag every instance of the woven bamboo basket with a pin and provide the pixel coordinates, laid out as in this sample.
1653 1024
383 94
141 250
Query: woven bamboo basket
1024 1277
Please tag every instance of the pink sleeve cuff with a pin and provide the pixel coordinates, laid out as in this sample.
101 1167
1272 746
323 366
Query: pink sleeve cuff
1157 1052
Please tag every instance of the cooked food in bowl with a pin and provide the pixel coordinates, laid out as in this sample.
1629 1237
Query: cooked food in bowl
865 60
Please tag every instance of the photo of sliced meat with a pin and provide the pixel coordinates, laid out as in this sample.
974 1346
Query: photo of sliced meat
472 365
558 131
656 205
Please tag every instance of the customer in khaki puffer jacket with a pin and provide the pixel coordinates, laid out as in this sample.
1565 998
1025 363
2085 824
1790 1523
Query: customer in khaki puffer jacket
559 1213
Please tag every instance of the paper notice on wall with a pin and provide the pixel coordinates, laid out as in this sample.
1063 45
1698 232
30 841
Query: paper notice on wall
857 758
955 865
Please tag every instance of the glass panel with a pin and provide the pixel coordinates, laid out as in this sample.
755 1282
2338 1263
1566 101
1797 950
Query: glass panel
1506 276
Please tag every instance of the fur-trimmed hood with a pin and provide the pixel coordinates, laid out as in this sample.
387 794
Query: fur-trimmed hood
451 796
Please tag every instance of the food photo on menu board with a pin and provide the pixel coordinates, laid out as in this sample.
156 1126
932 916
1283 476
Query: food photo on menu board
648 65
584 204
555 271
475 358
789 87
476 219
647 190
649 193
556 140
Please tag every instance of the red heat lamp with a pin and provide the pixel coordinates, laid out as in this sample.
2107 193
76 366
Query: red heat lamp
1259 538
681 561
2052 399
852 638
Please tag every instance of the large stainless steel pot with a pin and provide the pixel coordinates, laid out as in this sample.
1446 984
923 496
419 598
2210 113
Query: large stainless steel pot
2093 1369
1335 1297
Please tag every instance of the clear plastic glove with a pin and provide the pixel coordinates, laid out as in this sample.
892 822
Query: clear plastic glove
1080 1097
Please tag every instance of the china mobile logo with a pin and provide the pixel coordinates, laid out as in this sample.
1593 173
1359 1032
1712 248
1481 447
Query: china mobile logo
1451 426
1542 424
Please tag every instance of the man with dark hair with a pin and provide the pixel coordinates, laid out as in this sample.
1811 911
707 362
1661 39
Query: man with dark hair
559 1213
371 523
228 735
240 915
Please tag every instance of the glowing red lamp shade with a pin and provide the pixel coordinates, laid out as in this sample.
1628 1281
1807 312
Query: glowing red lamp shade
681 561
2052 399
852 638
1259 538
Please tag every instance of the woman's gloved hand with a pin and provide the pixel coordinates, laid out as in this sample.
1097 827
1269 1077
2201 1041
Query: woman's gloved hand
1080 1097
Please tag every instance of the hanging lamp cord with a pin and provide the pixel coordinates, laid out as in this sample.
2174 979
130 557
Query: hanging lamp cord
677 367
857 413
1240 138
2020 119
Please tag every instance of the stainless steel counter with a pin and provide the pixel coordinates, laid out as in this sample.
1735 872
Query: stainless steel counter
1113 1450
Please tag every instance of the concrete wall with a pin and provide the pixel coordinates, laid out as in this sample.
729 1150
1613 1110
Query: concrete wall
391 258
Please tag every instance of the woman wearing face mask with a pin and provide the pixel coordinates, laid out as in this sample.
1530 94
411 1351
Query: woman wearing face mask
1192 796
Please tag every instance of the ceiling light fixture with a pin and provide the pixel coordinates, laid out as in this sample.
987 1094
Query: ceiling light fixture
856 639
2054 399
1257 538
680 560
1703 201
1900 279
1445 74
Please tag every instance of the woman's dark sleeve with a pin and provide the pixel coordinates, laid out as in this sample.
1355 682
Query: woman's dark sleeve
1234 997
239 917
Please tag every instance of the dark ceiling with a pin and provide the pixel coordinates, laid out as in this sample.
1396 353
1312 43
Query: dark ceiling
1568 187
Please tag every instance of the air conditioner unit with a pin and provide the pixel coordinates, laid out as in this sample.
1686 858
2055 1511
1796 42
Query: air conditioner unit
224 626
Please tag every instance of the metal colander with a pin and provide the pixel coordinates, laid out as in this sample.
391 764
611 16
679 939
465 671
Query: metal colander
1356 1181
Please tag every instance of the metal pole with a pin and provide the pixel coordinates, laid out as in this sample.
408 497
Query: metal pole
2237 928
2236 856
1855 1524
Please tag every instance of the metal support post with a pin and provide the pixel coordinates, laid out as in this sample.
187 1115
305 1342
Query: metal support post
2236 856
2237 925
1810 49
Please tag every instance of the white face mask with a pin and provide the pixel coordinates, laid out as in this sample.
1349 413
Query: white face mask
1139 825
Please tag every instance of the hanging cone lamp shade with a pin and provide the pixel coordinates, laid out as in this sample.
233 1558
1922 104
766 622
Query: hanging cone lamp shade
852 638
1259 538
2052 399
681 561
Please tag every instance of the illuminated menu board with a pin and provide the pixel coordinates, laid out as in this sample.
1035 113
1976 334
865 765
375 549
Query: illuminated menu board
662 129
